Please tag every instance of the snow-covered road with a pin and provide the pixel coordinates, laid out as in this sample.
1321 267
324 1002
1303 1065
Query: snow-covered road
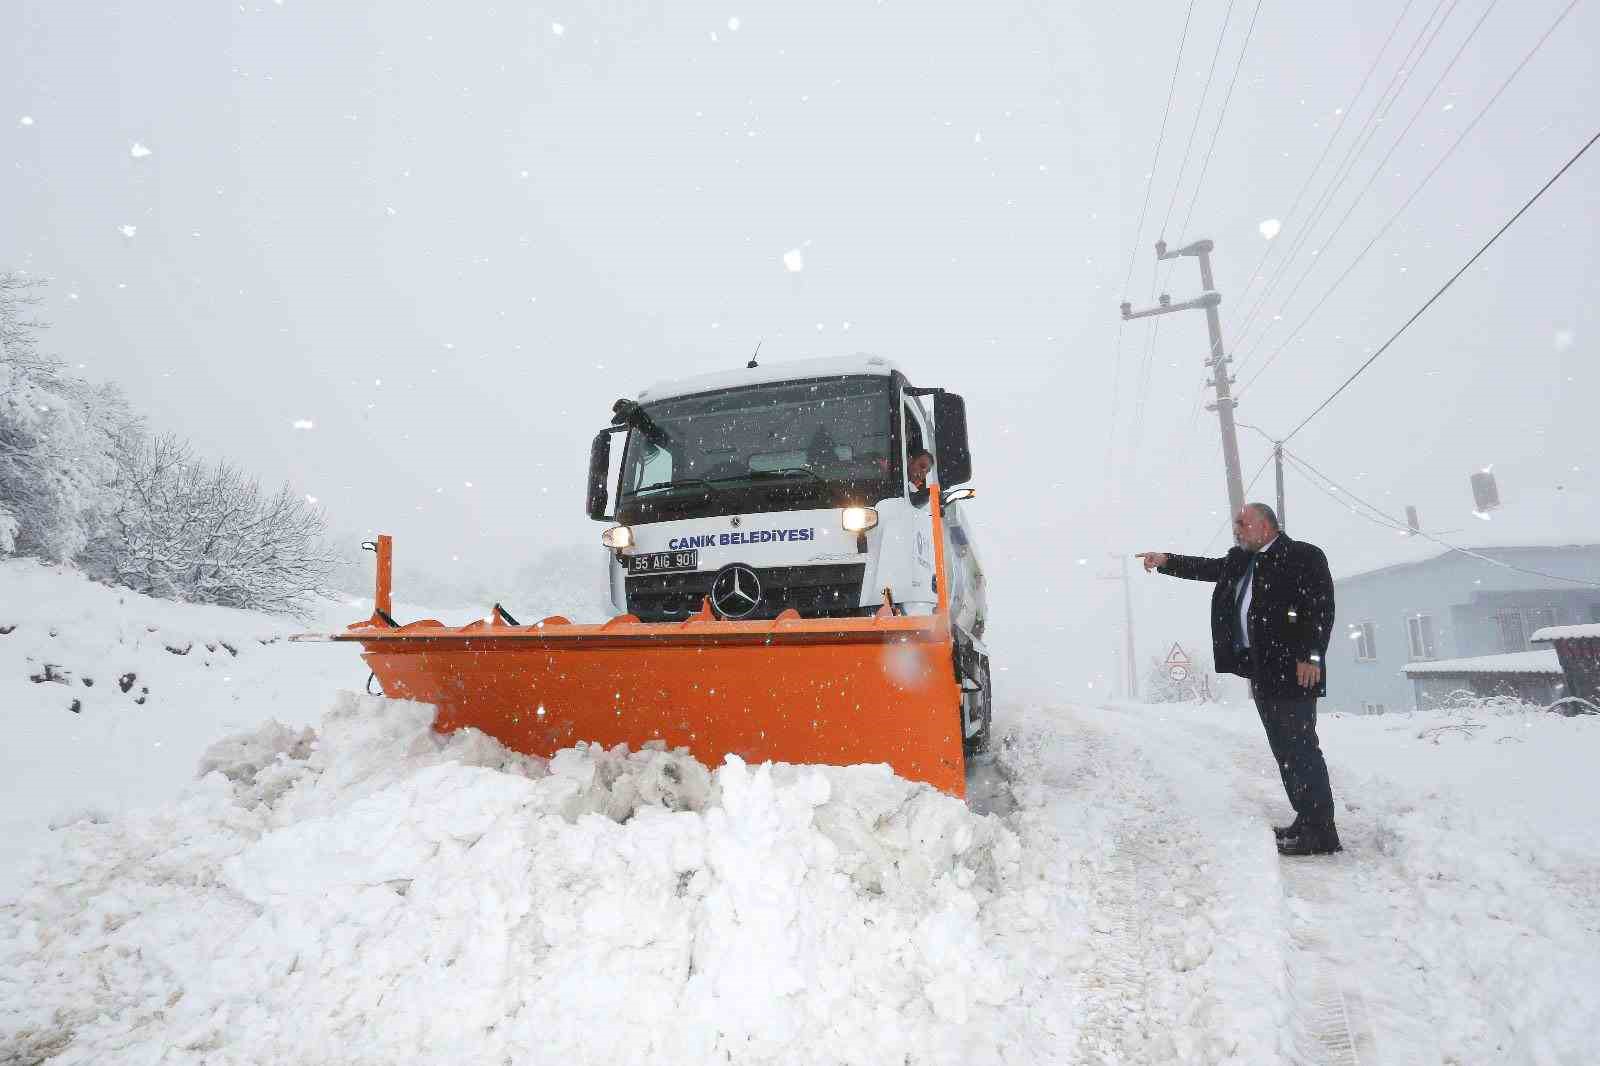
1459 926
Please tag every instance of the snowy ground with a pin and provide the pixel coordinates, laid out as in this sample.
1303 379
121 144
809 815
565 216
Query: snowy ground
348 887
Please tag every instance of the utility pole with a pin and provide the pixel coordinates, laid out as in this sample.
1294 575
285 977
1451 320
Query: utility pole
1127 612
1218 363
1277 457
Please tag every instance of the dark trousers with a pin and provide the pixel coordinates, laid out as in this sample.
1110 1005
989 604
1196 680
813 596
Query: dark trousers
1291 725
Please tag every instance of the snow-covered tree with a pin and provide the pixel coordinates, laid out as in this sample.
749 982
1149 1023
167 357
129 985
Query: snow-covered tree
1198 685
186 529
58 438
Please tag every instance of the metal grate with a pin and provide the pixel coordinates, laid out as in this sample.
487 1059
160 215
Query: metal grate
824 591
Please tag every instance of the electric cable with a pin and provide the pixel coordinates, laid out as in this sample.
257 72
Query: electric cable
1199 110
1344 116
1133 254
1216 132
1376 172
1341 172
1444 288
1504 85
1312 475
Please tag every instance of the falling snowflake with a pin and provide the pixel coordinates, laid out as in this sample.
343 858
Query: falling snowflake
138 151
557 28
304 423
312 500
1270 228
733 24
27 120
1564 339
127 231
794 261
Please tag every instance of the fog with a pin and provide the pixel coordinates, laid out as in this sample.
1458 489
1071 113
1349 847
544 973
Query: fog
406 255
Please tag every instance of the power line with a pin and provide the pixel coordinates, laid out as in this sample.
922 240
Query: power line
1312 474
1414 193
1133 254
1217 131
1155 270
1443 288
1378 170
1341 172
1344 116
1198 111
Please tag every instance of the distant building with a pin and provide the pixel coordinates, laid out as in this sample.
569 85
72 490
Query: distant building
1452 607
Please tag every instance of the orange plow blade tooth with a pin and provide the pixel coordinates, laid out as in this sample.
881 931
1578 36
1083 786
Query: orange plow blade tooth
837 691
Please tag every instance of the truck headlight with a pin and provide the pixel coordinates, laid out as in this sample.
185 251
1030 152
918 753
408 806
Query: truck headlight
617 537
858 519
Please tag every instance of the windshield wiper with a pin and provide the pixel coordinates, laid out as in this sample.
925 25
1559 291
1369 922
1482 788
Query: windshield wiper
681 483
758 475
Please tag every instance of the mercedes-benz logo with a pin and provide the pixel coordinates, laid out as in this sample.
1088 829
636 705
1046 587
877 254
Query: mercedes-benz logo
736 591
735 521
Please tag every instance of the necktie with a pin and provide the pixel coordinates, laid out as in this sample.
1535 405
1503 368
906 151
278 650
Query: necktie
1240 638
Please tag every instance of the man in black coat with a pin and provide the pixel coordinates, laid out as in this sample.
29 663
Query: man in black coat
1271 617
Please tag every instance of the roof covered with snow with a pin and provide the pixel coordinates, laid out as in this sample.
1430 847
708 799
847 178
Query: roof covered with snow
766 373
1583 632
1528 519
1517 662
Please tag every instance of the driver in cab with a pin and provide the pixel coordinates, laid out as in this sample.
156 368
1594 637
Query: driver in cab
917 470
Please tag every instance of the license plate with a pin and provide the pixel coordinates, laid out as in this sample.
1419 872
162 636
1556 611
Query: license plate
664 562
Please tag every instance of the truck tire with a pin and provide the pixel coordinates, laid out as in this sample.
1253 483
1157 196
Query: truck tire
978 743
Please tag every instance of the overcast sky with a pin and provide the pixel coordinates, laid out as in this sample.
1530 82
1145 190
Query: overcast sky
447 236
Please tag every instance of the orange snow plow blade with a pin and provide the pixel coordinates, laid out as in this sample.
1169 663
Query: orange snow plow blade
878 689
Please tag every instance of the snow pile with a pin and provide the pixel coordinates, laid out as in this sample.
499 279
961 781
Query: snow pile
372 891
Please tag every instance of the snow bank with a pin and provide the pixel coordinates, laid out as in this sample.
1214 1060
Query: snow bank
371 891
108 697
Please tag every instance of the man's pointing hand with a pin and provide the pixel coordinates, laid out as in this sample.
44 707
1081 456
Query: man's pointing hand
1152 560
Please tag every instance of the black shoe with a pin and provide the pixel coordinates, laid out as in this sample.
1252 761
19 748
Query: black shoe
1311 840
1283 832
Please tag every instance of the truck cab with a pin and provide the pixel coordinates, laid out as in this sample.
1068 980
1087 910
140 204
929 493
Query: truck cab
788 487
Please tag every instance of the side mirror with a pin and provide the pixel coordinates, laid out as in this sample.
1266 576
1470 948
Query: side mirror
956 496
952 454
599 466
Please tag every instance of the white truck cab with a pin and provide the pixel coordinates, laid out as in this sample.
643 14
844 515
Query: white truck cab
788 487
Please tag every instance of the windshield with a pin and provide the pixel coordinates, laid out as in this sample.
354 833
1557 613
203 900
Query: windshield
816 436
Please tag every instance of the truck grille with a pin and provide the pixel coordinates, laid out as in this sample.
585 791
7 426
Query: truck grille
831 591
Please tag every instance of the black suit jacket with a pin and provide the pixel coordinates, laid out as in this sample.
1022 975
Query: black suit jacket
1291 612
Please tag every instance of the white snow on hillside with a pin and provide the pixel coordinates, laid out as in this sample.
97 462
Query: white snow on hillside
109 698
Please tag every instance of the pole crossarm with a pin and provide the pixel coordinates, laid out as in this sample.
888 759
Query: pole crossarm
1166 306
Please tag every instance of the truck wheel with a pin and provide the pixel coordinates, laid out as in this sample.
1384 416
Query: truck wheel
978 743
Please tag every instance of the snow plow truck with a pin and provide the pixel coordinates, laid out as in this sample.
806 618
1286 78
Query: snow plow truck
787 587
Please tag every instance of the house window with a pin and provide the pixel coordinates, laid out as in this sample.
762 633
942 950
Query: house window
1513 637
1420 628
1539 617
1372 708
1363 633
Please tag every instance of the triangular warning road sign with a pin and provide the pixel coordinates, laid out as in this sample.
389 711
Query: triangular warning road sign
1177 657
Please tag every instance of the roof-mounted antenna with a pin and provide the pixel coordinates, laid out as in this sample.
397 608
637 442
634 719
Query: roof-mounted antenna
751 365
